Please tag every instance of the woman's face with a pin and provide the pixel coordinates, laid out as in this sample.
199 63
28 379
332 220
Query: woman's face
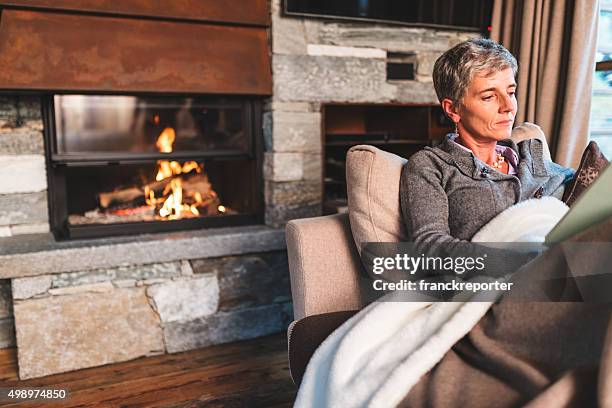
489 106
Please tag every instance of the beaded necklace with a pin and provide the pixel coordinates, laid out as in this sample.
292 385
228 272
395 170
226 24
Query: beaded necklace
499 161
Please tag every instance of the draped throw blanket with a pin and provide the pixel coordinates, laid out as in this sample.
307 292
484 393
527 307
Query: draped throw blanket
377 356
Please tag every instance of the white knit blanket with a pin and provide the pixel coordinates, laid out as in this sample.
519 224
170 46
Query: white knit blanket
377 356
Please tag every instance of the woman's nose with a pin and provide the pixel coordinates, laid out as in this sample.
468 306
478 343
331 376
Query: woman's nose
506 104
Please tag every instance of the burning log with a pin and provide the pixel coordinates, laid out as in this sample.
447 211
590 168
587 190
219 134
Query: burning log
196 184
130 194
179 190
119 196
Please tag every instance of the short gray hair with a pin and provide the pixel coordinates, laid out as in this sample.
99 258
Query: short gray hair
455 69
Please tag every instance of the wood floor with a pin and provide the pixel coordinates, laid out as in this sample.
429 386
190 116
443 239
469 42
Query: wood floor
252 373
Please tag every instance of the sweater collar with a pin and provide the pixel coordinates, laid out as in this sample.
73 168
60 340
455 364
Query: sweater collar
530 154
509 154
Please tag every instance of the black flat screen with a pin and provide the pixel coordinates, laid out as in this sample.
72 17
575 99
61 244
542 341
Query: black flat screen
474 15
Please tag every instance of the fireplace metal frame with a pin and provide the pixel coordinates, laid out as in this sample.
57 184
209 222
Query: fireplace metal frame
58 195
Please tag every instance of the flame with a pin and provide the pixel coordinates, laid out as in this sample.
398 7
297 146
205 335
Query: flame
172 207
164 170
164 144
171 168
166 140
191 165
149 196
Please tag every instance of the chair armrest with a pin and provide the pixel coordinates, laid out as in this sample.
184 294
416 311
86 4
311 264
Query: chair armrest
304 336
324 265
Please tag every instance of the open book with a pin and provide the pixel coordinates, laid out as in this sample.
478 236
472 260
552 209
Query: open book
592 207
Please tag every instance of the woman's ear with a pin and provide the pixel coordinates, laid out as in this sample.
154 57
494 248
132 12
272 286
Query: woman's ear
451 111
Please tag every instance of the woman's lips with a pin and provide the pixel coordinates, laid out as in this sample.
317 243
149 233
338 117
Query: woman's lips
504 123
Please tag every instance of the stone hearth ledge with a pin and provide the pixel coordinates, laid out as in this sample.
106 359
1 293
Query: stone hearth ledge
40 254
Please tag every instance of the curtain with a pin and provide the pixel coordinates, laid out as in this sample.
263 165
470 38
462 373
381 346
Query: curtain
554 42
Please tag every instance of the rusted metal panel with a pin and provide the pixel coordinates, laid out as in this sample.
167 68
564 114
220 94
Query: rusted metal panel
53 51
230 11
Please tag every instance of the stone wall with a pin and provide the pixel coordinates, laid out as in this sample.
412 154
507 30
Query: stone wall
317 61
23 180
23 185
81 319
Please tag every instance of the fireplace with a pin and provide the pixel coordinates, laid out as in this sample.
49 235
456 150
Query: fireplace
129 164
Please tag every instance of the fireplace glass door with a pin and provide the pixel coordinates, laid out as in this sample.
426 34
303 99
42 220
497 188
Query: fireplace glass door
136 164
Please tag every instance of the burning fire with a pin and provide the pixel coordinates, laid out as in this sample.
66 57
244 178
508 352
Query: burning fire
180 190
171 168
175 202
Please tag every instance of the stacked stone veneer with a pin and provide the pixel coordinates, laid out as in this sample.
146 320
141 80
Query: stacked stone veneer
315 62
23 181
88 318
23 185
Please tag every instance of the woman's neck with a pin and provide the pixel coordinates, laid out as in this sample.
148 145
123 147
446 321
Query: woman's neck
482 149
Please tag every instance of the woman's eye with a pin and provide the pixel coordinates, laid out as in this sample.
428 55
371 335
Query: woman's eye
487 98
511 93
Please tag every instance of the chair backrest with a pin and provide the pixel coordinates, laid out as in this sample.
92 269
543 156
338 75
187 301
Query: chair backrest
531 131
373 182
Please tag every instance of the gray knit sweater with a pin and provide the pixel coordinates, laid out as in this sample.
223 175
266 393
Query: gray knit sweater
447 194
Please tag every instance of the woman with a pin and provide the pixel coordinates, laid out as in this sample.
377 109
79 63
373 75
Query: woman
519 351
450 191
